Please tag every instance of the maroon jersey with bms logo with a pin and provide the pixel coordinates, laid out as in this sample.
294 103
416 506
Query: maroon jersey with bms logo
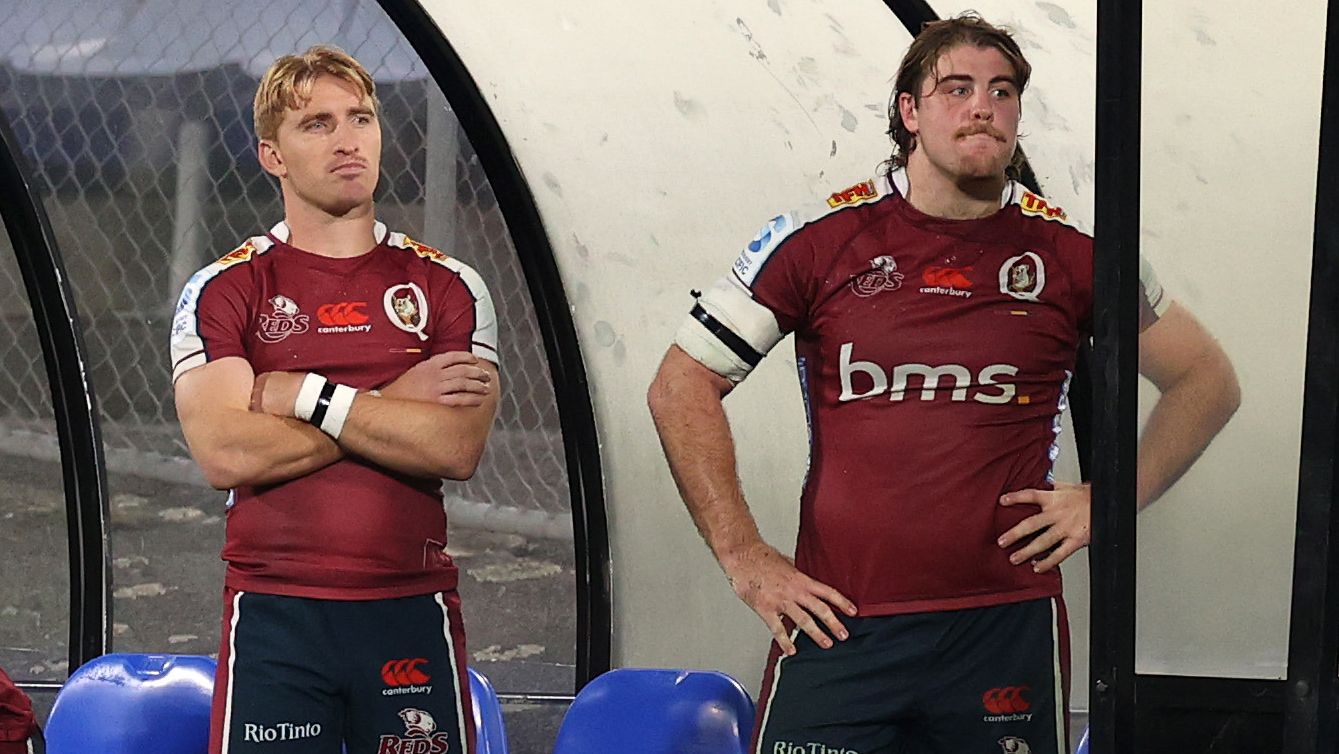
934 356
352 530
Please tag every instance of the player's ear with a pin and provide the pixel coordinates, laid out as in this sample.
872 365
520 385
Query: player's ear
906 107
270 159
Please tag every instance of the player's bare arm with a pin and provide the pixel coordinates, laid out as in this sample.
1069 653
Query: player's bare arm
1199 394
410 435
236 447
686 403
454 378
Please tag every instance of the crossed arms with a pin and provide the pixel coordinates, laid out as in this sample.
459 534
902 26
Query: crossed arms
432 421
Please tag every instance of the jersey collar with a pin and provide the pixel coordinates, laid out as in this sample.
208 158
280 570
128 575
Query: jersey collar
281 232
898 181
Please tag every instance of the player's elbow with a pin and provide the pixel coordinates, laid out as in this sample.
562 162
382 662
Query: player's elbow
1228 388
460 467
223 471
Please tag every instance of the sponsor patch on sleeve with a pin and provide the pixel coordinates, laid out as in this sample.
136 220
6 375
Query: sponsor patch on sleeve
755 255
1031 204
857 194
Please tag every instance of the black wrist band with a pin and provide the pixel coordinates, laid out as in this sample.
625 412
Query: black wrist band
323 403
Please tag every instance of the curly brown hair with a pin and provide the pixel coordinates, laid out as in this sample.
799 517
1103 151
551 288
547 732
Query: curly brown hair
936 38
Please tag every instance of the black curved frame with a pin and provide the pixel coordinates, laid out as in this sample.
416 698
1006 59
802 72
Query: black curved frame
576 414
76 408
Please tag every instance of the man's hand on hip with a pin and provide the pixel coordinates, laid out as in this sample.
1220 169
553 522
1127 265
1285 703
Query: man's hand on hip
453 378
768 582
1062 528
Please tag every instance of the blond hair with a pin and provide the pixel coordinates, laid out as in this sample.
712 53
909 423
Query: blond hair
287 85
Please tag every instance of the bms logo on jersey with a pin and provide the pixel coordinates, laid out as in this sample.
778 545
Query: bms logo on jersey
984 387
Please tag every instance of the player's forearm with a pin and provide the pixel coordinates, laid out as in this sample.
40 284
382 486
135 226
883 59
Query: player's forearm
245 448
1187 417
418 438
695 435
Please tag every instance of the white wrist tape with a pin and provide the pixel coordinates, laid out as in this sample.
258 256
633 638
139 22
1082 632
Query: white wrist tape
308 394
336 408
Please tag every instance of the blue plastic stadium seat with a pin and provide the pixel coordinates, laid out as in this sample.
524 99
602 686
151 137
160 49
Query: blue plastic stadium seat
1083 743
134 703
491 735
658 712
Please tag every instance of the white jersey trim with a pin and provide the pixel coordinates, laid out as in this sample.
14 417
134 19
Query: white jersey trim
186 346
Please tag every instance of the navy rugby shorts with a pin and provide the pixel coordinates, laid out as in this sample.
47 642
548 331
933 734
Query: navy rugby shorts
990 680
312 676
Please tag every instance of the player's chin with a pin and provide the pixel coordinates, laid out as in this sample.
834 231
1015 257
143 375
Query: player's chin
347 201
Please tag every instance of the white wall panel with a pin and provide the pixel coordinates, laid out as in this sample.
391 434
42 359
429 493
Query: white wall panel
658 137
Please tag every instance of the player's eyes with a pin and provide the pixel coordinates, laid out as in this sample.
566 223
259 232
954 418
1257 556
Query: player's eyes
958 91
1002 93
314 125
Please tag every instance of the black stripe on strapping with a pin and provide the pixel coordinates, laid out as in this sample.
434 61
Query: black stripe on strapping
323 403
724 334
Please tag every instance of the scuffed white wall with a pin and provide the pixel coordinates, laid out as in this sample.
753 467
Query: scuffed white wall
658 138
1230 130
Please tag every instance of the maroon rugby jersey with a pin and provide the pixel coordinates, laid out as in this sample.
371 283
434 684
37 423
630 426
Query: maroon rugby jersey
934 357
352 530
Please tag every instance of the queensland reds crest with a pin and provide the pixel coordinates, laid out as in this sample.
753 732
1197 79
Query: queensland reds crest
421 736
1014 745
882 276
283 322
1023 276
407 308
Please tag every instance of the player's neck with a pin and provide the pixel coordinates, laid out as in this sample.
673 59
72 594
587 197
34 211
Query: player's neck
314 230
940 195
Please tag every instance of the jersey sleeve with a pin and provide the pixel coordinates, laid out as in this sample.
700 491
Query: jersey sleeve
766 295
1153 300
211 318
466 319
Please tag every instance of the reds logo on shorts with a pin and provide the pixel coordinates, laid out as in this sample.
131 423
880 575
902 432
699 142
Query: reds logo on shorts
421 736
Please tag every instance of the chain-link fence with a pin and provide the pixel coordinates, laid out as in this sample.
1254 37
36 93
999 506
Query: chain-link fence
141 144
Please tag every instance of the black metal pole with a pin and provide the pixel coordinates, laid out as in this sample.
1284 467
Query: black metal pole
1313 642
576 415
82 468
1115 376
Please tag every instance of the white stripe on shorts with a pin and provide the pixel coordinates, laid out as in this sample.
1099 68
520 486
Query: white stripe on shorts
1061 744
455 674
232 661
771 695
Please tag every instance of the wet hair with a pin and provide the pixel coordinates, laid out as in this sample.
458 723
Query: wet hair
935 39
287 85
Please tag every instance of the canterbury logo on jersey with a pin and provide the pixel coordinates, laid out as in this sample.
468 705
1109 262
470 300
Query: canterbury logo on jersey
985 388
346 316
